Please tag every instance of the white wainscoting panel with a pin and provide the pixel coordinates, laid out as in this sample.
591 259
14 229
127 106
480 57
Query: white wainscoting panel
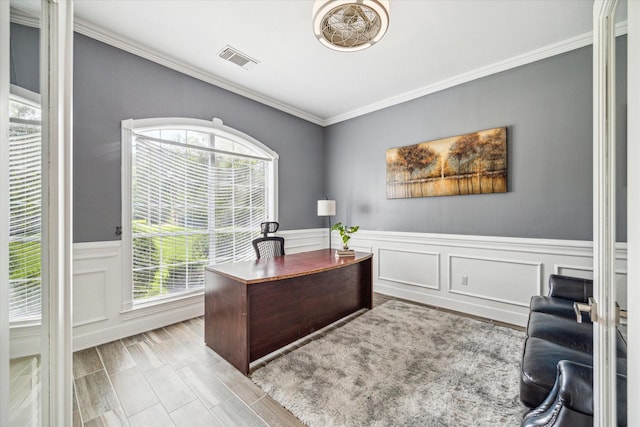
98 302
502 275
296 241
89 296
410 267
356 248
509 281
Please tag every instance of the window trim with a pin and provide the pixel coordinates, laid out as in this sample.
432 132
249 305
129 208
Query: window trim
129 128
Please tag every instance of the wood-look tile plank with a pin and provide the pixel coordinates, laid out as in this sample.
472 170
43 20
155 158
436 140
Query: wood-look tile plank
113 418
175 353
95 395
203 382
170 389
23 366
194 414
133 339
24 391
74 397
233 412
145 356
242 386
133 391
204 355
274 414
158 335
115 357
86 362
156 416
183 333
196 325
77 419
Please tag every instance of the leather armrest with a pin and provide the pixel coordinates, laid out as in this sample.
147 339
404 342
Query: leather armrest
571 288
576 386
576 389
570 402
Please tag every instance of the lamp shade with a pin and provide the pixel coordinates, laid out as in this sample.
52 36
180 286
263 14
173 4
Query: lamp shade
326 207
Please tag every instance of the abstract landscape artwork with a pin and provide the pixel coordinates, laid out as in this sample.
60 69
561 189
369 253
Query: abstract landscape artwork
475 163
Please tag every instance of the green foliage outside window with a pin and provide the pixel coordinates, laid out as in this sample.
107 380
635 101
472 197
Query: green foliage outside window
171 259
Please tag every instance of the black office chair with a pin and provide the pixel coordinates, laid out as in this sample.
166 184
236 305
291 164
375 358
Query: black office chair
268 246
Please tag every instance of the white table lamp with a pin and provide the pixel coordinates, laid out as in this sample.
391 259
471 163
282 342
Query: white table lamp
327 208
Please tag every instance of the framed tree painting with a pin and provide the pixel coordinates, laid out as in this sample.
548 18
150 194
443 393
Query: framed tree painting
475 163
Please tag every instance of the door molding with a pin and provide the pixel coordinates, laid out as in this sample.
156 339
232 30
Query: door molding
604 212
633 206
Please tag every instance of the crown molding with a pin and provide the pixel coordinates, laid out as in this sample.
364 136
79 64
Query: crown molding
28 18
548 51
95 32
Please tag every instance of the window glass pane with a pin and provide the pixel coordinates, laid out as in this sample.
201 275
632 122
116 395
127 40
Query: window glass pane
235 146
198 138
25 216
223 144
177 135
24 111
191 208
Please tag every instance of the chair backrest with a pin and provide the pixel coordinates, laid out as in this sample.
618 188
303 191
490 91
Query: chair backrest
268 227
268 247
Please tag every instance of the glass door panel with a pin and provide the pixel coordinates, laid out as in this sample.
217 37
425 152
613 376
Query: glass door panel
22 204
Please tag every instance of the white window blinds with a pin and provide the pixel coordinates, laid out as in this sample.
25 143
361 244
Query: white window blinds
25 211
197 199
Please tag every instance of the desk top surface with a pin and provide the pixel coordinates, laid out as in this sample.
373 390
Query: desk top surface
285 267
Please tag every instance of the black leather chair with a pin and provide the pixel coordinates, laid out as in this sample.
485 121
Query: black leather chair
556 369
268 246
570 402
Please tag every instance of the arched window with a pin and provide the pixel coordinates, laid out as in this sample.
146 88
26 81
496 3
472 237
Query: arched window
194 193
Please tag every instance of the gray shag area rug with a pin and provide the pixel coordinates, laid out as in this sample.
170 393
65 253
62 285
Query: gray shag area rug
401 364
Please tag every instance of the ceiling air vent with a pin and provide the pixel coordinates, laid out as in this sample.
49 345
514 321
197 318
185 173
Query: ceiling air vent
234 55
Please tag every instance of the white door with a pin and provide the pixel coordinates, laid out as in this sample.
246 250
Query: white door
633 213
604 313
35 219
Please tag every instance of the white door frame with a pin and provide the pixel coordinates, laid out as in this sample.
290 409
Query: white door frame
57 269
604 213
633 210
56 41
4 211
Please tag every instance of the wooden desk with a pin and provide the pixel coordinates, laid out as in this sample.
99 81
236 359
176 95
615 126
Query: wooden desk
253 308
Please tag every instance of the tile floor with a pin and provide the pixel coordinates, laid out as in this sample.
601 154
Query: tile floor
167 377
164 377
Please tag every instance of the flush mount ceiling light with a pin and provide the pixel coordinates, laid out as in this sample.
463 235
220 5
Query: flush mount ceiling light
350 25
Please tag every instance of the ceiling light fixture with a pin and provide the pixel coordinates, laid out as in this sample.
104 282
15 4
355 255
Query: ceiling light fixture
350 25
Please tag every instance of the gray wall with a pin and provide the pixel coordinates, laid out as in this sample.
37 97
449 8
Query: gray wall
545 105
111 85
547 108
25 57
